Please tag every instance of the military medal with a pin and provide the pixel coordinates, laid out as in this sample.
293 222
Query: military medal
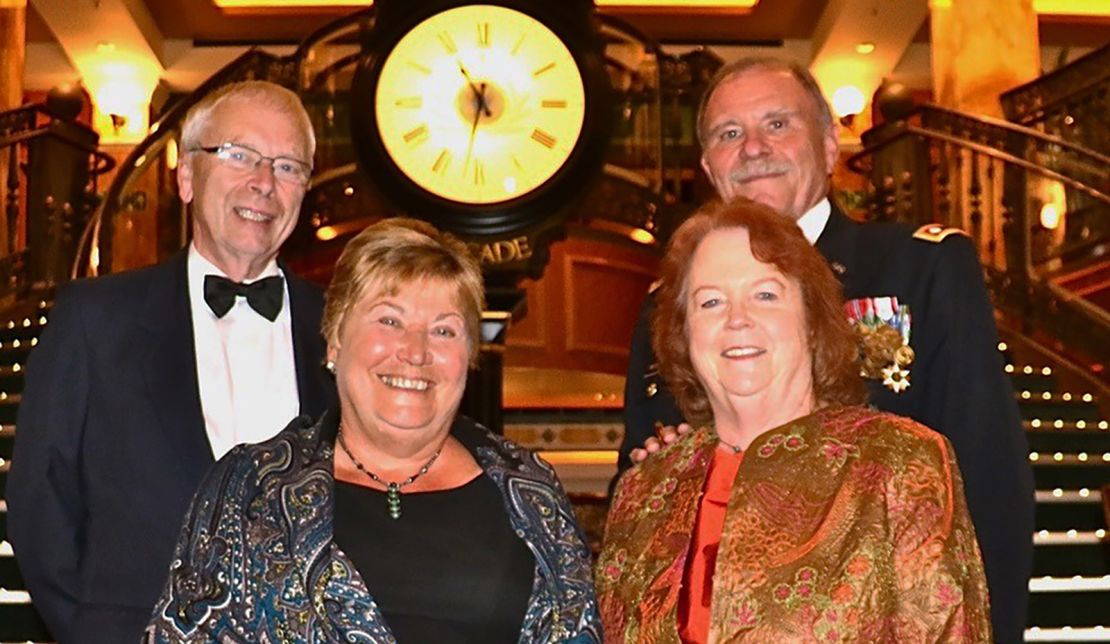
883 326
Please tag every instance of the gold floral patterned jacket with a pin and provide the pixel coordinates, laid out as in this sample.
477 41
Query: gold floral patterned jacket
847 525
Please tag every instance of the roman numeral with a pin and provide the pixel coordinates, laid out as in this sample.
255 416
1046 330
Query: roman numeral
448 42
543 69
543 138
479 174
553 103
441 162
420 68
414 134
516 47
483 34
517 163
409 101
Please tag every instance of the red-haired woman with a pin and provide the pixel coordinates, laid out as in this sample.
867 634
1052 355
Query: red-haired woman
793 512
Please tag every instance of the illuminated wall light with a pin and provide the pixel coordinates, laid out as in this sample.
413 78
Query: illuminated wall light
1002 346
171 154
121 84
326 233
1051 216
300 4
641 236
848 100
865 48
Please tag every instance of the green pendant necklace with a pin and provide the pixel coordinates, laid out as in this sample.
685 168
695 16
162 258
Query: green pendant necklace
392 490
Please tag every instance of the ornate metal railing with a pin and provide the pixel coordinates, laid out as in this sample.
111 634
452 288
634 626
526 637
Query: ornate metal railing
50 165
1035 204
142 221
1071 102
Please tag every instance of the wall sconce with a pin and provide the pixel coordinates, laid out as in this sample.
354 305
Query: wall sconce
847 102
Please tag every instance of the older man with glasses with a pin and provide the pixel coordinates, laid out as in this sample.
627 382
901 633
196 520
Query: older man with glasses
144 378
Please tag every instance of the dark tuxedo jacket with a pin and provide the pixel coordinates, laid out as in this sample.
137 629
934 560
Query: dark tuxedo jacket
958 386
111 444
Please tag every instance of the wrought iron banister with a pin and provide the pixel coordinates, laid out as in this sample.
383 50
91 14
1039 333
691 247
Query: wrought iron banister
1037 206
50 162
1034 101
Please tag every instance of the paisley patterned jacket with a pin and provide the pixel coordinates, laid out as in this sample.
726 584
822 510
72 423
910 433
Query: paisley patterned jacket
847 525
255 561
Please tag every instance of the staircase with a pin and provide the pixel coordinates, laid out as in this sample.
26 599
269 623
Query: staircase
18 336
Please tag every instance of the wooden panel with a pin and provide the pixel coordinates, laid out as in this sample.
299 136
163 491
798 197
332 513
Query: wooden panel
582 311
602 297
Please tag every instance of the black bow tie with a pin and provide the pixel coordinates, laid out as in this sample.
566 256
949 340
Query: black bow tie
264 296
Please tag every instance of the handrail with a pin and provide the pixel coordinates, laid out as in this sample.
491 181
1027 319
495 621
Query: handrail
982 171
318 36
854 162
1037 135
1027 103
30 130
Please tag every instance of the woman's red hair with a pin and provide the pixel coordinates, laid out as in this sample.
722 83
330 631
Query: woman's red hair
778 241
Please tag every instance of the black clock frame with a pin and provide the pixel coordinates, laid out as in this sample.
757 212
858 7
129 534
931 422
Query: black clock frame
574 23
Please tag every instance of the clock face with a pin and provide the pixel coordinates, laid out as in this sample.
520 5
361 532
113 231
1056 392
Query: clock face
479 104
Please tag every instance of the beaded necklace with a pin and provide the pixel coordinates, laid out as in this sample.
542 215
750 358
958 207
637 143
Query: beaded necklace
392 490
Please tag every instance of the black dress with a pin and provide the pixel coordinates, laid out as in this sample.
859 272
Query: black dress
451 569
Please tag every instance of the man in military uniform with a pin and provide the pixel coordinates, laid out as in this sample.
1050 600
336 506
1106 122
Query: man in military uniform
917 298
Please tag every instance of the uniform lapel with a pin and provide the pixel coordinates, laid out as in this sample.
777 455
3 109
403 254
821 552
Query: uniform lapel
170 365
837 243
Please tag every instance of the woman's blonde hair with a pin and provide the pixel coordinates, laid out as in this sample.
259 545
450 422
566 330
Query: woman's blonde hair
398 251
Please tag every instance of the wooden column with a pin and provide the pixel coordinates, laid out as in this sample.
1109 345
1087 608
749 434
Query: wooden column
13 37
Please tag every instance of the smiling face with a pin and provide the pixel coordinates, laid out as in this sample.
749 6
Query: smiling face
764 140
746 326
401 361
241 218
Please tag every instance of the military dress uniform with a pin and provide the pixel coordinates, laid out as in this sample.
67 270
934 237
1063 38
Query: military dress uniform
951 379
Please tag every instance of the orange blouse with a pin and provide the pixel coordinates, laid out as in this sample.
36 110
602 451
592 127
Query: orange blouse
697 582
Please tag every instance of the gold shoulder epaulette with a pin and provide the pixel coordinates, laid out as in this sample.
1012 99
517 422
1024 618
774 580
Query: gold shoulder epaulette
654 286
935 233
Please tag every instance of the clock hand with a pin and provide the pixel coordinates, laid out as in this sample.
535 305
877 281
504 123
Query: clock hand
480 95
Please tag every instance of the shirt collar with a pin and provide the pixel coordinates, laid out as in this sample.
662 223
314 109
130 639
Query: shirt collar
814 221
199 266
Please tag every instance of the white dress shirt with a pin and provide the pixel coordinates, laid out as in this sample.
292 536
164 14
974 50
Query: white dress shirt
245 365
814 221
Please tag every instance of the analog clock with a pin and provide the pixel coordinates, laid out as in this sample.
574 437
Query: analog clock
476 110
480 104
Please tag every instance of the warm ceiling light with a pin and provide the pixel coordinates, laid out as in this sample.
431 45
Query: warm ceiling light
1072 7
865 48
301 4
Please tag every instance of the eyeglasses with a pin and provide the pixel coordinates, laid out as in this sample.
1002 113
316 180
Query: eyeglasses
245 159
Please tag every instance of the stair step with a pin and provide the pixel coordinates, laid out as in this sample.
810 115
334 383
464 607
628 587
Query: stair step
1069 601
1068 634
10 578
21 621
1079 509
1055 557
1051 437
1092 473
1027 377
